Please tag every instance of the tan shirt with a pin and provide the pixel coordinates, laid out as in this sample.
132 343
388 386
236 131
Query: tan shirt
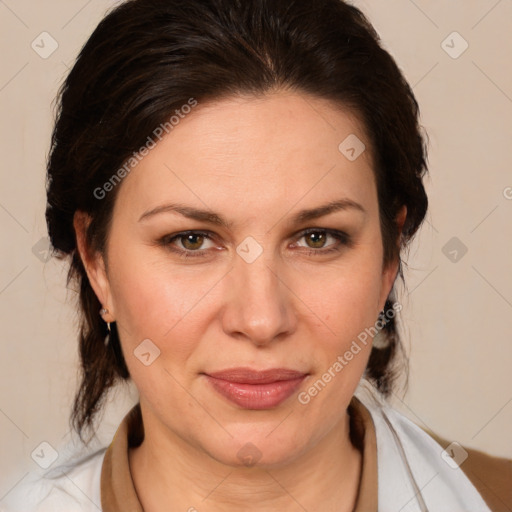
491 476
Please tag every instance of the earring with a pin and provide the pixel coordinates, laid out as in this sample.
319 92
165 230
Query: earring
379 340
104 311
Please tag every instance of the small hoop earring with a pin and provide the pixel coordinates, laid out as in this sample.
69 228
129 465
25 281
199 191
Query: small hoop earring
104 311
106 341
113 345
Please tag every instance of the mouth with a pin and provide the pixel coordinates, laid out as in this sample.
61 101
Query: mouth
256 389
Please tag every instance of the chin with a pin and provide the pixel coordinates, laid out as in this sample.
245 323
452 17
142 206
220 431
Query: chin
253 451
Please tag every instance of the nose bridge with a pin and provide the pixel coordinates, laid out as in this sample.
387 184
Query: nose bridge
259 305
260 276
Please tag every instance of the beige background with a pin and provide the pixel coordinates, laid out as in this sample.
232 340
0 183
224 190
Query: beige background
457 313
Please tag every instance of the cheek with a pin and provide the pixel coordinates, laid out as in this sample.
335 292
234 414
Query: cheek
343 333
155 309
344 337
345 298
154 302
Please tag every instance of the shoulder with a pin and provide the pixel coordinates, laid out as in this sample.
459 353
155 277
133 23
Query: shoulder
68 487
492 476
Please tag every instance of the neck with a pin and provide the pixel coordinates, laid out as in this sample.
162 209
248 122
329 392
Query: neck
170 474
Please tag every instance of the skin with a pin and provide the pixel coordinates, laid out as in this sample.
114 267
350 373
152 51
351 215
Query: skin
256 162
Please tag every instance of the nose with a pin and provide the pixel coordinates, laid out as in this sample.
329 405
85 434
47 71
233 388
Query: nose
259 306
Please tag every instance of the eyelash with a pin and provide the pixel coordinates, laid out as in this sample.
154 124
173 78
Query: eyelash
343 239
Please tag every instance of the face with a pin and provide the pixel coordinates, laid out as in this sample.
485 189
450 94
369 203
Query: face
258 282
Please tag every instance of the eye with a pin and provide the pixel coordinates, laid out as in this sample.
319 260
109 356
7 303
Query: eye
316 240
188 243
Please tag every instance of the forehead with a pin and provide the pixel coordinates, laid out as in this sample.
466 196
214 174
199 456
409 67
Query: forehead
250 152
280 124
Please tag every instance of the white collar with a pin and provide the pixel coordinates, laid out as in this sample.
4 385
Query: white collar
412 475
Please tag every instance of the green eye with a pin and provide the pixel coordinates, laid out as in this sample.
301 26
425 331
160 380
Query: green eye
316 240
192 242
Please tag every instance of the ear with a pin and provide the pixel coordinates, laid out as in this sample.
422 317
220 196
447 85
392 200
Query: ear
390 272
94 265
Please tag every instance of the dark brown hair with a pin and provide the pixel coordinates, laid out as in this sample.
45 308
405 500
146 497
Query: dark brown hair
147 58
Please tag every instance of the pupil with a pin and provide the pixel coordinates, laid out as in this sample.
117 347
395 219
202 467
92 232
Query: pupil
189 240
320 237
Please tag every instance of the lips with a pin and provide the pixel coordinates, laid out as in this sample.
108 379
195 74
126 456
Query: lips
248 376
256 389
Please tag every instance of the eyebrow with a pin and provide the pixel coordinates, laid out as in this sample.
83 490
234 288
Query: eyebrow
214 218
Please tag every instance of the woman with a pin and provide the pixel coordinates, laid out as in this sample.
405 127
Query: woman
235 183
